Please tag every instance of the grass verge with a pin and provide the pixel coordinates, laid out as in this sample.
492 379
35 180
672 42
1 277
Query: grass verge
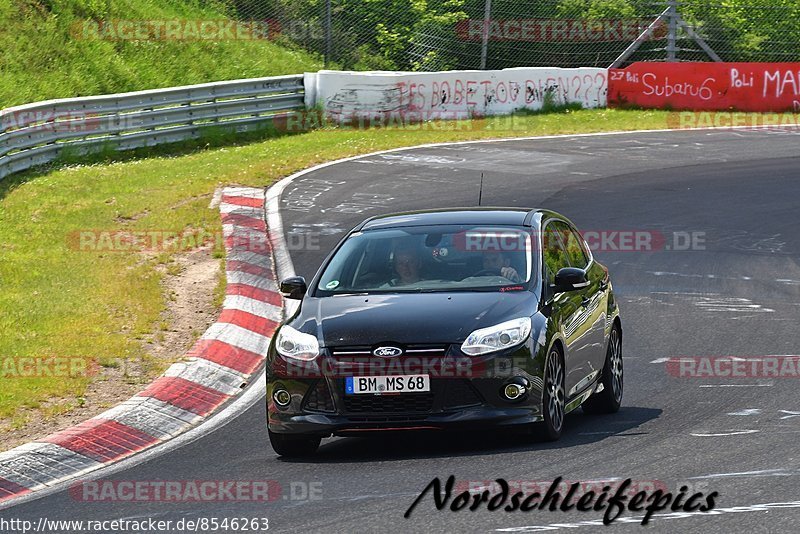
47 51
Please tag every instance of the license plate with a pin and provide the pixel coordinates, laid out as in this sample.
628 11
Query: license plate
355 385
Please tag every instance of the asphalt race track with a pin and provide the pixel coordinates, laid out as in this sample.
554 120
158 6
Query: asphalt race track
735 293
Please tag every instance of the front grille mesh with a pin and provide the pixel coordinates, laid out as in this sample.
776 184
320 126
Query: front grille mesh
383 404
319 398
460 394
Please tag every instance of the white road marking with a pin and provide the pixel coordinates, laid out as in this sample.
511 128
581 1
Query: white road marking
765 385
747 411
787 281
695 275
691 358
765 507
730 304
722 434
762 473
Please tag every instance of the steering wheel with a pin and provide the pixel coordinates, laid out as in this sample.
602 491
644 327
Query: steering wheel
486 272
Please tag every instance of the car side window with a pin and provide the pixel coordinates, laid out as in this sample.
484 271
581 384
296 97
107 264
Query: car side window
573 243
555 255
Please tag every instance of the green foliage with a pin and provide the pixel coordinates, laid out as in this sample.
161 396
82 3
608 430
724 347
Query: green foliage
45 52
424 34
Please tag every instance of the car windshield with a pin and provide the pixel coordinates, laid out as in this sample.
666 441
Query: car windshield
430 259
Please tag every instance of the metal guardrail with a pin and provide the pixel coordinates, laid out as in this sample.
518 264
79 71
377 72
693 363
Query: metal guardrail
34 134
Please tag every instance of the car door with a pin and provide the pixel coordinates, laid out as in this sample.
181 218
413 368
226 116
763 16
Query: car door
593 303
567 308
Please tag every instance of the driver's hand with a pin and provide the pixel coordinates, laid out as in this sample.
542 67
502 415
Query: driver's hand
510 273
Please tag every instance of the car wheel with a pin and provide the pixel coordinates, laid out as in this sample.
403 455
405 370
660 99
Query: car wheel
293 446
609 400
553 398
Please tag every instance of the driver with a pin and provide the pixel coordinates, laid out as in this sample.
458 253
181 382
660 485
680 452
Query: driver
406 263
497 261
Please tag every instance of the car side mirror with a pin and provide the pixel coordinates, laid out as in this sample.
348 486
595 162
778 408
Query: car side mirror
570 279
294 287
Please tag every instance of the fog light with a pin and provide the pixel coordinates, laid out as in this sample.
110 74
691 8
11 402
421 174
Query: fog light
513 392
516 388
281 397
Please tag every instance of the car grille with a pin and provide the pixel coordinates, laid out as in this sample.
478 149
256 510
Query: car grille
384 404
421 351
318 398
460 394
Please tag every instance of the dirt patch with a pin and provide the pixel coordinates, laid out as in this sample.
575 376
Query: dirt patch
190 285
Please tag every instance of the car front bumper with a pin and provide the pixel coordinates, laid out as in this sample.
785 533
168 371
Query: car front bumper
321 407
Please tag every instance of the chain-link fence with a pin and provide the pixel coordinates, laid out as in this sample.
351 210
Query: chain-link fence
495 34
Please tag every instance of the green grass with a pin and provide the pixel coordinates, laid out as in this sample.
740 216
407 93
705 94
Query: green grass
59 301
40 58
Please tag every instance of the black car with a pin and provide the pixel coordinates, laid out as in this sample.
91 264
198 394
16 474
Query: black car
461 318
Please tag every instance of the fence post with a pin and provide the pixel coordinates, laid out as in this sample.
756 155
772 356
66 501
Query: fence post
328 34
487 18
672 36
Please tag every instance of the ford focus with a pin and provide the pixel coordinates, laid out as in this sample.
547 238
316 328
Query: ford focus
447 319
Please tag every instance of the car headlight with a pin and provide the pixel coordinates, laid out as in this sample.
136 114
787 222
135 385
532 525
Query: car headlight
297 345
497 337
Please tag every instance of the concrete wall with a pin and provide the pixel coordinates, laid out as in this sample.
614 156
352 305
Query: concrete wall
452 94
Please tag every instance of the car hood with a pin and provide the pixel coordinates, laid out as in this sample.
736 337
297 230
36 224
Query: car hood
419 318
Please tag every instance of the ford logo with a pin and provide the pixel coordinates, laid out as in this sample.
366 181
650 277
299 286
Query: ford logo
387 352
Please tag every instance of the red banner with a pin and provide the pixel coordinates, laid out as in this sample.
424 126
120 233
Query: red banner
707 86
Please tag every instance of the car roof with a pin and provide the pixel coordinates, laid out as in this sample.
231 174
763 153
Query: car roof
480 215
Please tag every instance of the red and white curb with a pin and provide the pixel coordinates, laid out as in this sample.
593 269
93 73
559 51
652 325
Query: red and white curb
214 371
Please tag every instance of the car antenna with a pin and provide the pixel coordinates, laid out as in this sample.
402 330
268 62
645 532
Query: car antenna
480 191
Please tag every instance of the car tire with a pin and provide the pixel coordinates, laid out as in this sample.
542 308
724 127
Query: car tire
293 446
610 399
553 396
